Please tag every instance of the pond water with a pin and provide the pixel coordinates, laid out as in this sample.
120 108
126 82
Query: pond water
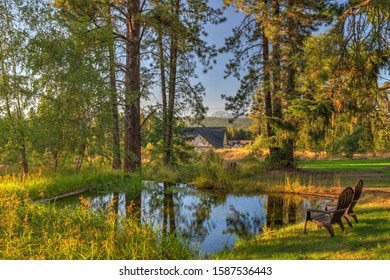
210 221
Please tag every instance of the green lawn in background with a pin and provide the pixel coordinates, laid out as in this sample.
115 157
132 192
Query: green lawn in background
374 172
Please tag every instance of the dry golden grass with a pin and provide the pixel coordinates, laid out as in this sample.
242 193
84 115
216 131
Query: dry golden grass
307 155
237 154
231 155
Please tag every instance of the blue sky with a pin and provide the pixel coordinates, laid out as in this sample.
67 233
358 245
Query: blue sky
213 80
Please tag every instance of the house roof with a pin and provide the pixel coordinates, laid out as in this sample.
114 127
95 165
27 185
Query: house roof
214 135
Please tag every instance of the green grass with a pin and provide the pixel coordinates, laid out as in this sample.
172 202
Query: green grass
43 231
48 185
356 165
374 172
31 230
368 239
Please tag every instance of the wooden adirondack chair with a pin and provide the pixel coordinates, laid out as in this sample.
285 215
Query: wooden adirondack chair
358 190
325 218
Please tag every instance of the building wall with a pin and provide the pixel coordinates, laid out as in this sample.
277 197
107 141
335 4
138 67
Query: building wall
201 144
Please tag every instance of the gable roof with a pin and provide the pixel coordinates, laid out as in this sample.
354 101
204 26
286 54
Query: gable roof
214 135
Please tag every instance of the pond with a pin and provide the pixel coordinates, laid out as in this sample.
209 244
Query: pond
210 221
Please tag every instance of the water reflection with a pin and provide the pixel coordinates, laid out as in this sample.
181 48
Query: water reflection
211 221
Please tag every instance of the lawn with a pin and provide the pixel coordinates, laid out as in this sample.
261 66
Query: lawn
374 172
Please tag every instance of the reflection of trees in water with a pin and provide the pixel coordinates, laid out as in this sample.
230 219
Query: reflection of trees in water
244 225
102 202
194 215
118 201
172 207
120 204
281 210
169 222
167 207
158 206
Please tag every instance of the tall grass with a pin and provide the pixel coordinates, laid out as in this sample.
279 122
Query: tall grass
43 231
208 171
31 230
46 185
214 172
309 184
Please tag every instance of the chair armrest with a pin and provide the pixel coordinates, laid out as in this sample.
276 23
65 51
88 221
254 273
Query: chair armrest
329 204
318 211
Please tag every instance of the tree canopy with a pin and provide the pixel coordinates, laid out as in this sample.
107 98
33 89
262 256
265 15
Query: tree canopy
314 75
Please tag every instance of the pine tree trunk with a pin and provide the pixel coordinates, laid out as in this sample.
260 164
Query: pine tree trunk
275 155
132 114
24 159
267 82
171 90
116 152
280 155
288 144
163 91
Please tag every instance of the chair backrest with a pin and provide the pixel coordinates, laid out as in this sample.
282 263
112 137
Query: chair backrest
358 192
343 202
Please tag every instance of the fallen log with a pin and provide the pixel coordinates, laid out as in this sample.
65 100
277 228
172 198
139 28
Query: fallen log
48 199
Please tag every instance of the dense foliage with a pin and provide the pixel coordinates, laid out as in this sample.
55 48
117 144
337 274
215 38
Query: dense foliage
315 74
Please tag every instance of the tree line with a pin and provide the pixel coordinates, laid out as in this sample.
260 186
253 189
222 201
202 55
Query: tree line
315 74
73 74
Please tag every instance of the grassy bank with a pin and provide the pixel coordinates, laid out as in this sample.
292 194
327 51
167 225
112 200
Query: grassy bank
368 240
43 185
42 231
31 230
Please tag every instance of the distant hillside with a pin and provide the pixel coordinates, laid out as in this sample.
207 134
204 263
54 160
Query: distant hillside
242 123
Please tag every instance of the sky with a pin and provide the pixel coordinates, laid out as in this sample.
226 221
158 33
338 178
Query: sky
214 80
